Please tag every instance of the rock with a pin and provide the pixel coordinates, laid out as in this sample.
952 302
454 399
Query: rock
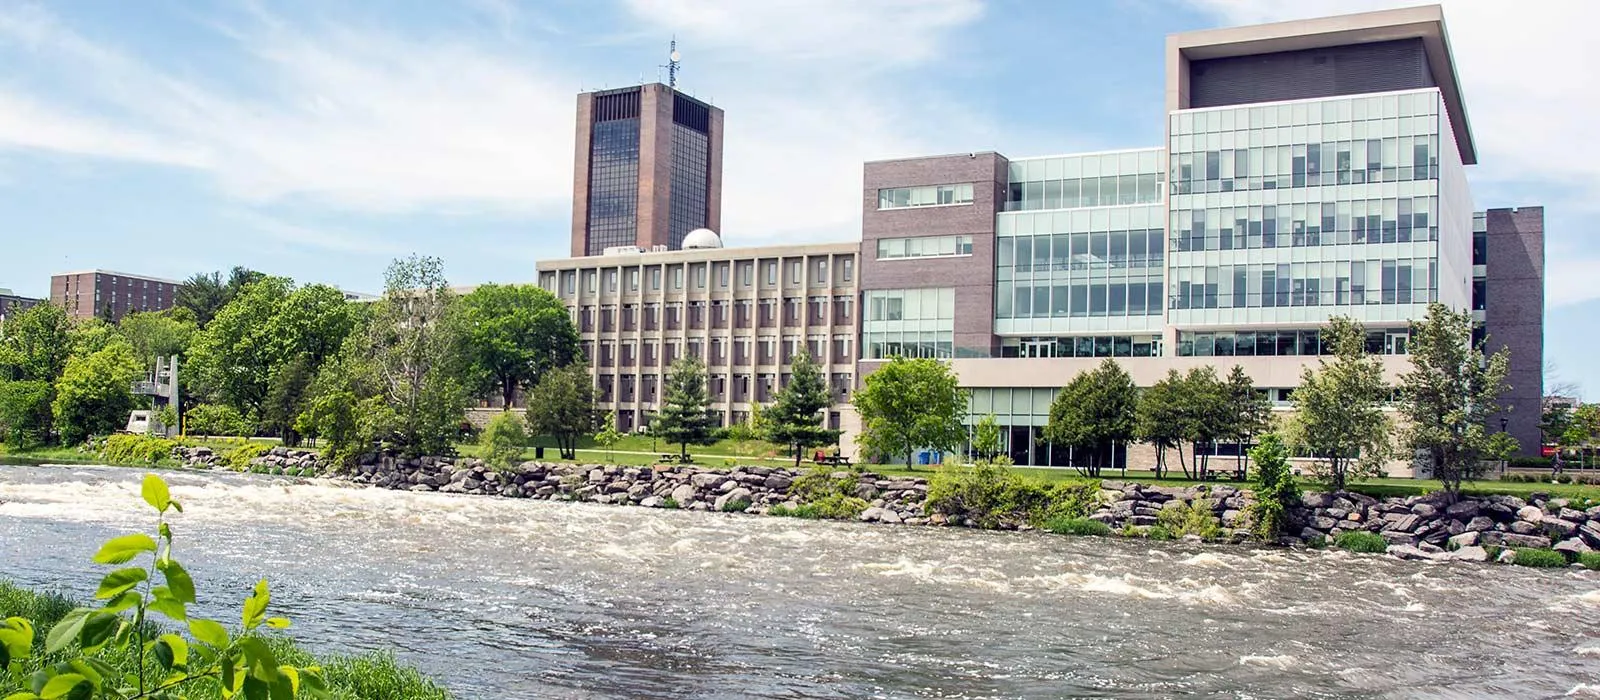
1572 514
706 480
1231 517
420 487
866 491
1590 532
1558 527
1430 548
1316 499
1465 539
1406 551
1530 514
1470 553
1424 510
1406 523
1523 527
638 492
1481 523
1397 537
1500 512
1521 540
889 516
1572 547
871 515
651 502
1507 556
1323 523
778 482
683 495
732 497
728 485
1593 512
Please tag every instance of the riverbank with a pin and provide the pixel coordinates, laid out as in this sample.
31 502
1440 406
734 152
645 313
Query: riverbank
1491 528
371 676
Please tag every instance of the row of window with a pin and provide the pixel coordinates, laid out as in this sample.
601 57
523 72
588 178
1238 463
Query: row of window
719 351
735 388
1280 343
883 345
924 247
926 196
1083 346
911 304
1021 300
1399 220
1421 103
1065 252
700 274
717 313
1339 283
1354 162
1104 191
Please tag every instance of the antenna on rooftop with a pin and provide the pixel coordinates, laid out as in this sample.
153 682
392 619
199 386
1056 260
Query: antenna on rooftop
672 64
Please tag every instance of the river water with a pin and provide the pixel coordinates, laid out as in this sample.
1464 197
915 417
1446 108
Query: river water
522 599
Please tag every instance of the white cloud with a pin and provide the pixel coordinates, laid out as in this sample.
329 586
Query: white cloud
317 238
1527 73
352 119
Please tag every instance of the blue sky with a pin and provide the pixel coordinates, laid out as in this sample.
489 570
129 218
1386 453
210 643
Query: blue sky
319 140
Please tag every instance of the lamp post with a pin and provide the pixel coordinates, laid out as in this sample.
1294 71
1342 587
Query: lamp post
1503 422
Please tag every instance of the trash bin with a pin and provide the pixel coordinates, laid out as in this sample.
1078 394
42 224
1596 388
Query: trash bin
922 458
538 452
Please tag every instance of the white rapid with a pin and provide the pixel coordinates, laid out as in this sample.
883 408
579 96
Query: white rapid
521 599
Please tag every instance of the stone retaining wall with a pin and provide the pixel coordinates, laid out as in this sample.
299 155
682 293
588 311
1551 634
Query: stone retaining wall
1416 527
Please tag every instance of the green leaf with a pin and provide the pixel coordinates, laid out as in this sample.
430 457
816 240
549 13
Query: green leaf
256 689
278 623
16 639
22 696
312 685
66 630
283 688
122 549
178 580
59 686
209 632
179 649
166 532
259 658
256 606
84 668
98 628
230 680
155 492
163 653
5 656
162 601
127 600
120 581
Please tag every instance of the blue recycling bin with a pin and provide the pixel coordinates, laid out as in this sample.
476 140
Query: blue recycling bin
922 457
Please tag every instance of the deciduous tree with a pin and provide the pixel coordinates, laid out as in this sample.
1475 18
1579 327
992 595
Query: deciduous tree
35 344
95 393
1339 420
515 334
1249 410
1451 392
156 334
1159 419
910 404
1093 412
415 340
561 405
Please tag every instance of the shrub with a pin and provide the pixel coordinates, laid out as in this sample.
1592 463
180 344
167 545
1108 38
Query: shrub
1539 558
1130 530
1589 560
1361 541
1077 526
25 416
503 440
216 419
1192 518
833 507
1275 489
1158 532
989 495
238 458
136 449
670 503
737 505
1528 463
819 483
1318 542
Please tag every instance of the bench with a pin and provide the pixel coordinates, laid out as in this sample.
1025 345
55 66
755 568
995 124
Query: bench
835 460
673 457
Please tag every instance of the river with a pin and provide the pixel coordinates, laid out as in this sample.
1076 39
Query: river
522 599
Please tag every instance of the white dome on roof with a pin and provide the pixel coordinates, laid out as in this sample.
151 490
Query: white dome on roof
702 238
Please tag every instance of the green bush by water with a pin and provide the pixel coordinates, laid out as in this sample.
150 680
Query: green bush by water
137 449
737 505
1589 560
990 494
1158 532
1539 558
1191 518
1078 526
1361 541
831 507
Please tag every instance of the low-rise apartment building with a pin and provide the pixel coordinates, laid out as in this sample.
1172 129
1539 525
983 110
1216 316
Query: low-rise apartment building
110 295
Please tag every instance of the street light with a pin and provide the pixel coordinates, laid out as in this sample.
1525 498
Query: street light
1503 422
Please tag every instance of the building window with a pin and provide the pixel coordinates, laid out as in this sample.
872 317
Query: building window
1480 293
909 323
849 269
927 196
924 247
1083 346
655 279
772 273
1281 343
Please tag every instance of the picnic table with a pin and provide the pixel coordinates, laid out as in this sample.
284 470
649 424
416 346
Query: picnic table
673 457
836 460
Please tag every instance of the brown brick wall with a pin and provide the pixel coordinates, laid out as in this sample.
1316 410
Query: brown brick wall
118 294
1514 313
580 174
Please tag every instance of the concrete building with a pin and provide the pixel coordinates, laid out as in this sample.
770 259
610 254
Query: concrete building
1312 169
11 304
648 169
110 295
744 312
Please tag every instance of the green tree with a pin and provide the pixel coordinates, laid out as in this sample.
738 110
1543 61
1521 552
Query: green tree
91 335
608 436
1553 423
1249 411
35 344
910 404
25 416
1205 415
312 321
798 416
233 358
685 416
415 342
217 420
1339 419
986 442
503 440
515 334
204 295
95 393
746 432
1159 418
1094 412
156 334
1582 429
1451 392
561 405
1276 491
287 395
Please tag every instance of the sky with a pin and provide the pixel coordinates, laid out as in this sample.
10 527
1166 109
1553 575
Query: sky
319 139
